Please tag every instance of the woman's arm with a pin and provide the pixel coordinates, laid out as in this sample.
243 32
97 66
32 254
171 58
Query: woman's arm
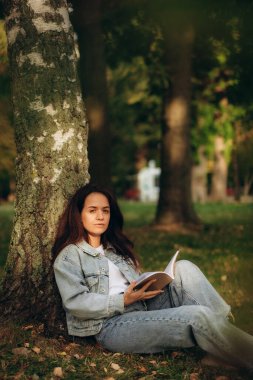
76 296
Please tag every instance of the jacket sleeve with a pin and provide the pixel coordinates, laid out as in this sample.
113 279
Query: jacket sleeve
75 294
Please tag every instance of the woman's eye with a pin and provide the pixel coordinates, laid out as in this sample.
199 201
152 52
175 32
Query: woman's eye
106 211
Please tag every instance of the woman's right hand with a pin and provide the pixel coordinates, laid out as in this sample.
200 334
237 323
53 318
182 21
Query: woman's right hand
132 295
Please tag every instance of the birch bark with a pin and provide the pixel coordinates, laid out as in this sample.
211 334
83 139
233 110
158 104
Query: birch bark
51 140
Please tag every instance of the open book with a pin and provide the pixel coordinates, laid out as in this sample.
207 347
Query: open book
162 278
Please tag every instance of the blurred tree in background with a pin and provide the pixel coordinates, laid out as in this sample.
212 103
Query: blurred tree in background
86 20
7 145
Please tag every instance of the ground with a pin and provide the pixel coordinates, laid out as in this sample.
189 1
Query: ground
222 249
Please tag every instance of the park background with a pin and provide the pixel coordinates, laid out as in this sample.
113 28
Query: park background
145 67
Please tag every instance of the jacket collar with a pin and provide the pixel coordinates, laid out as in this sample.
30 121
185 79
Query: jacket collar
87 248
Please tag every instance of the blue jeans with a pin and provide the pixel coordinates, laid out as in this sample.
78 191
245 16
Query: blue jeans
190 312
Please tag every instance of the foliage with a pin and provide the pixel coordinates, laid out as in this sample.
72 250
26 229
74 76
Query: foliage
216 115
138 29
223 251
3 46
6 218
7 144
133 111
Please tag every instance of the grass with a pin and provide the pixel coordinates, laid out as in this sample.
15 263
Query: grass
223 250
6 217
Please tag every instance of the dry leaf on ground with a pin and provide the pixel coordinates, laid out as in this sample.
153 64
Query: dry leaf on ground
115 366
58 372
36 350
194 376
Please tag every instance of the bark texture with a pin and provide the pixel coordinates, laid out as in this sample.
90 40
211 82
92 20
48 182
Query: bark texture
220 171
51 139
175 203
87 23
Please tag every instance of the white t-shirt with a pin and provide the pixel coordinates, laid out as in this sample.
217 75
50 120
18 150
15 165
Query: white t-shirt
117 282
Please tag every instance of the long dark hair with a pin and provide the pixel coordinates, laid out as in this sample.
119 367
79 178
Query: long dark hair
70 229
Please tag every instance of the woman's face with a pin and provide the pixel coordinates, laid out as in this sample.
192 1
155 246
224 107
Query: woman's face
95 217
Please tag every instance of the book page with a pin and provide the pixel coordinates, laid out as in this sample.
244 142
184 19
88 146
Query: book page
162 279
170 267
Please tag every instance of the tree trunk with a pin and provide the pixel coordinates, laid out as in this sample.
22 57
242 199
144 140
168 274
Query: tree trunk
87 23
51 139
220 171
199 177
236 176
175 204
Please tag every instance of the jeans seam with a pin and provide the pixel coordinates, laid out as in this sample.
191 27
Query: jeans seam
190 295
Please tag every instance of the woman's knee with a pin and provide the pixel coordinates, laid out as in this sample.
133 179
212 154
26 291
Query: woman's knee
203 316
187 269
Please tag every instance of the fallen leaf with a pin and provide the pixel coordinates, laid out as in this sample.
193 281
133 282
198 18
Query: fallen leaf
115 366
224 278
194 376
142 369
120 371
93 364
28 327
105 369
175 354
154 372
26 344
221 378
152 362
36 350
23 351
117 354
109 378
72 345
58 372
35 377
63 353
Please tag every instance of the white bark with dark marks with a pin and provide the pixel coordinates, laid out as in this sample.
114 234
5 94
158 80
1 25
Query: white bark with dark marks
51 139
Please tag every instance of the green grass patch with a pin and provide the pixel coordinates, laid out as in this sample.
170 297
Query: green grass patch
6 221
223 250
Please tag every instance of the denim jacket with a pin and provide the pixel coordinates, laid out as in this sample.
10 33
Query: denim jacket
82 276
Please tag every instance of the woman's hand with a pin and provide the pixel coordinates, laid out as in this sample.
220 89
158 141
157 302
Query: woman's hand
131 295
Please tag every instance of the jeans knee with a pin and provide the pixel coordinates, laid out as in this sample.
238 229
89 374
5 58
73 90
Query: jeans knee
187 269
203 316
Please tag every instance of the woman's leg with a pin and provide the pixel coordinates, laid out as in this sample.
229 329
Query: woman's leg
190 312
190 287
181 327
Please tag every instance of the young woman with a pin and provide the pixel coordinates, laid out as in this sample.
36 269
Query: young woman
95 270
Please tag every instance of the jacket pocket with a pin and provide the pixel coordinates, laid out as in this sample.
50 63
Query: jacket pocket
92 281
